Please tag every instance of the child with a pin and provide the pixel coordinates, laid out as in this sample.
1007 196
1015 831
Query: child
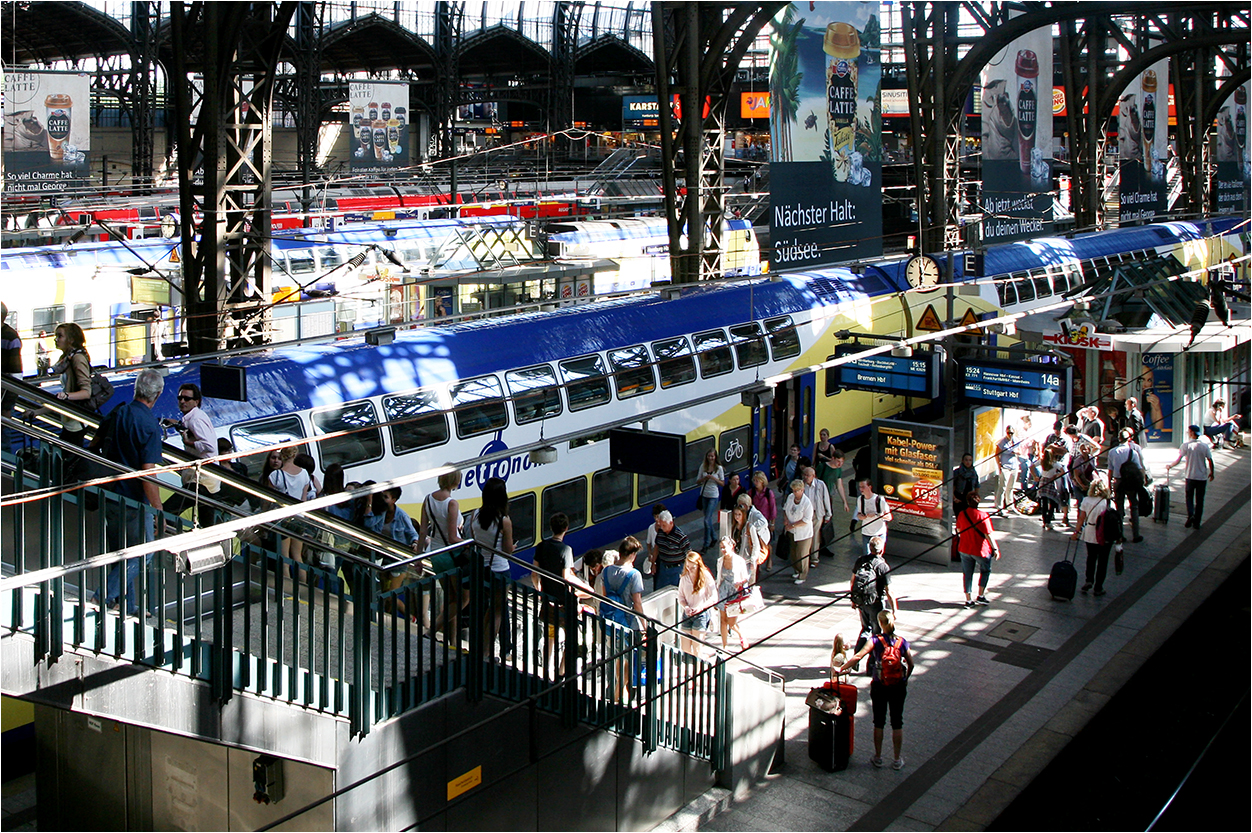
838 656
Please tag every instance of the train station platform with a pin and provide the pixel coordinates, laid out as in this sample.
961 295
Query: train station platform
999 690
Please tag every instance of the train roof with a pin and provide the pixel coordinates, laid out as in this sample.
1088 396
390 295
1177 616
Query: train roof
317 375
1025 255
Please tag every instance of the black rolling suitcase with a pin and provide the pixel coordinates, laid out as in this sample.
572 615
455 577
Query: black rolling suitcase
831 733
1063 580
1160 502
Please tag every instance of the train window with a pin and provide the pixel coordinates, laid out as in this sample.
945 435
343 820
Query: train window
695 458
610 494
253 439
714 353
784 343
1025 290
478 406
535 393
329 257
673 356
301 262
362 443
47 318
749 346
651 489
82 315
734 446
1043 286
569 497
632 371
522 515
416 421
585 382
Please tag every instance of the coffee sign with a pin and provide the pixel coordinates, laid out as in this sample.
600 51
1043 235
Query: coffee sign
46 132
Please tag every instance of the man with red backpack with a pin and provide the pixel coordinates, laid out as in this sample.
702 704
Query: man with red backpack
892 665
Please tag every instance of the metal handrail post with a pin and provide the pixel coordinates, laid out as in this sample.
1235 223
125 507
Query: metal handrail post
221 678
569 688
721 719
651 705
474 666
364 599
56 602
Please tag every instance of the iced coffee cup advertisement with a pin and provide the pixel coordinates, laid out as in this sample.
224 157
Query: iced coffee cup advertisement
378 118
1233 171
1016 197
1142 137
47 131
911 465
826 128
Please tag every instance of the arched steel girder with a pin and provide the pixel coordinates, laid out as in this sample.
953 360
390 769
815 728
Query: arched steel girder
1224 91
699 47
1132 68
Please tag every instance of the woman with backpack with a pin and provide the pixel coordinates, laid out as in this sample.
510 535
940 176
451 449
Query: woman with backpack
1090 526
976 546
622 583
892 665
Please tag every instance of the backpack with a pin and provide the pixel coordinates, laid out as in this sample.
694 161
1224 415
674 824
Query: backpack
891 663
865 583
101 392
1131 472
1108 526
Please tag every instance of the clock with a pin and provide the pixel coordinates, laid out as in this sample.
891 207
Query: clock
922 271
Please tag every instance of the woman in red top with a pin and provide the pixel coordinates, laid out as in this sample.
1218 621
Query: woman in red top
977 546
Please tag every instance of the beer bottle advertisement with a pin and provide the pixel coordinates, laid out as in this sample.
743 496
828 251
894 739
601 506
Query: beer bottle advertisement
826 134
1233 171
1016 140
378 126
46 131
1142 133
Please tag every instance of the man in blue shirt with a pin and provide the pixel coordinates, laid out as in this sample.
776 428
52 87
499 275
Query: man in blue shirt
134 516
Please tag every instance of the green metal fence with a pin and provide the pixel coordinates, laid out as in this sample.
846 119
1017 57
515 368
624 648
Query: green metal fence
324 635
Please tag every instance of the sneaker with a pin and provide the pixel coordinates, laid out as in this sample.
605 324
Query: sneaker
981 600
1138 539
799 581
1086 587
968 603
897 764
1187 524
876 762
1100 592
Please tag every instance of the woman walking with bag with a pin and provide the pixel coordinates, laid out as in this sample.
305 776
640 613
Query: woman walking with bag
493 529
697 594
440 526
733 581
711 480
1090 521
74 368
976 546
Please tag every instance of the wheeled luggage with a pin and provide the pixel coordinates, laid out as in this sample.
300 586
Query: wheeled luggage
1063 580
832 710
1160 503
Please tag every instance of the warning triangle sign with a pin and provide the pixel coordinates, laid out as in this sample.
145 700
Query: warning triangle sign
174 258
969 318
929 321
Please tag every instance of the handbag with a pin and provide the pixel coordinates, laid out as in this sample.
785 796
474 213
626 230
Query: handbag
753 602
824 700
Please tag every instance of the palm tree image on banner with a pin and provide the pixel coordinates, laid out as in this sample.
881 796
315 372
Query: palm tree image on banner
826 134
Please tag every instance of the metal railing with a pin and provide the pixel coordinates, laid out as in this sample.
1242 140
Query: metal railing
347 633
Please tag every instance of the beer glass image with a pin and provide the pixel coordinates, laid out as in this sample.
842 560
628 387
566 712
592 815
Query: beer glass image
1027 105
1148 119
380 139
58 122
843 44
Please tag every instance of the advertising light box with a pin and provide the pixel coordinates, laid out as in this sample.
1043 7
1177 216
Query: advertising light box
916 375
1027 385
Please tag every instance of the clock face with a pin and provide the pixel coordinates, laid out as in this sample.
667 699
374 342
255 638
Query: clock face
922 271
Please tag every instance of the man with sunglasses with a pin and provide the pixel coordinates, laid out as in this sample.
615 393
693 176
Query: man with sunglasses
199 440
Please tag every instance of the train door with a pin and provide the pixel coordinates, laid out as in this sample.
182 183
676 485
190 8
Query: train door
792 418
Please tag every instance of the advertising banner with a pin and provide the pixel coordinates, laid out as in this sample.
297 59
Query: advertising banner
912 461
1016 196
379 116
1142 138
826 131
1234 159
47 131
1156 381
640 111
754 105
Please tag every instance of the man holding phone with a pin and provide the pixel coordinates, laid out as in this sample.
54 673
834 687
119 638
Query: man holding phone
199 439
